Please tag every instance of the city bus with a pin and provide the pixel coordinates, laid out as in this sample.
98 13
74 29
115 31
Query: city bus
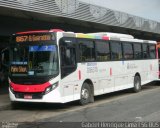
54 66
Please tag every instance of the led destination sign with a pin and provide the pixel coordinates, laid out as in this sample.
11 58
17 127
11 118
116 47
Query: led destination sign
18 69
34 38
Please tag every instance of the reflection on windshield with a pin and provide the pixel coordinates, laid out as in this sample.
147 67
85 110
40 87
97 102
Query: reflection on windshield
39 60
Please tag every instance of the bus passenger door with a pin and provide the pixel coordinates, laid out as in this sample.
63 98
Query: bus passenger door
68 67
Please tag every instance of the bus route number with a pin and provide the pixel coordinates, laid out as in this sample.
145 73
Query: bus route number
21 38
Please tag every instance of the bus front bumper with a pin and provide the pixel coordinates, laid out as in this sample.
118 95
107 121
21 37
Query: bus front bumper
52 97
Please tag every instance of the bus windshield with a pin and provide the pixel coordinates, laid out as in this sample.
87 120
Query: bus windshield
34 60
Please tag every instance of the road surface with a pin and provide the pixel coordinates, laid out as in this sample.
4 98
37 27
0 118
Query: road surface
120 106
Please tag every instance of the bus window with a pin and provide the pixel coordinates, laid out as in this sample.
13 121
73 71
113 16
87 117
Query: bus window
87 50
137 51
145 51
102 51
128 51
152 49
68 56
116 50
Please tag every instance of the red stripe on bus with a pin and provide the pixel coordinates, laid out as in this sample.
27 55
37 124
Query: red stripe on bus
35 31
29 88
157 53
79 75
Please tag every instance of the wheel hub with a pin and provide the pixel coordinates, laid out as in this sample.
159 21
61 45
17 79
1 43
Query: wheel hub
85 94
137 84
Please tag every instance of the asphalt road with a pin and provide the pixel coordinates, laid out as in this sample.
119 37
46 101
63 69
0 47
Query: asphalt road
143 106
119 106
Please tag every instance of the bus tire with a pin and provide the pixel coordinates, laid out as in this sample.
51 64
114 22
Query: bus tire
137 84
86 95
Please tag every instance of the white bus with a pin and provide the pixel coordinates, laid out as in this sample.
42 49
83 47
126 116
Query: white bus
57 67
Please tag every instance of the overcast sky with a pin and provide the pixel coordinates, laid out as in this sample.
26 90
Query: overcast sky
149 9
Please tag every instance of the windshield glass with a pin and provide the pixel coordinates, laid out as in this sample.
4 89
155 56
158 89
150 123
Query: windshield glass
34 60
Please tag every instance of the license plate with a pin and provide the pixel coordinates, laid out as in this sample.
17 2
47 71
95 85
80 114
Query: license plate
27 96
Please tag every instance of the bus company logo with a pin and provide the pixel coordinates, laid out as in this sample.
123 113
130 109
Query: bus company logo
131 66
92 67
92 64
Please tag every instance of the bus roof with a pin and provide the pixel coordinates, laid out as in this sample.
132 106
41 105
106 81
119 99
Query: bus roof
113 35
98 35
40 31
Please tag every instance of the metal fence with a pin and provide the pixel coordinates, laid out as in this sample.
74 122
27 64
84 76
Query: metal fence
82 11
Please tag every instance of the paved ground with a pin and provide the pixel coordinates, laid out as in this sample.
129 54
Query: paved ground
118 106
144 106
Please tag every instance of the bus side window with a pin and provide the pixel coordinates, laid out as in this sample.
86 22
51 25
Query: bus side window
116 50
68 56
103 51
128 51
86 50
145 51
137 51
152 51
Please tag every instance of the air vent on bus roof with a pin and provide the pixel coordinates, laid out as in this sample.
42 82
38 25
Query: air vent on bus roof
131 40
113 35
70 32
149 41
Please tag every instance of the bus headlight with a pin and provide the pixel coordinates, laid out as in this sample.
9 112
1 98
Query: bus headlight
51 87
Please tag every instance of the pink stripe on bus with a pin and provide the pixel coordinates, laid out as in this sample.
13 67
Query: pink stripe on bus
79 75
110 71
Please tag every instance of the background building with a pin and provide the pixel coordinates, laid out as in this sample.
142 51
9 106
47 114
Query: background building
70 15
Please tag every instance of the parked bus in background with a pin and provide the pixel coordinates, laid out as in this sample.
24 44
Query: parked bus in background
57 67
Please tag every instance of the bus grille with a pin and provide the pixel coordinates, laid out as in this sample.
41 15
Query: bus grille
21 95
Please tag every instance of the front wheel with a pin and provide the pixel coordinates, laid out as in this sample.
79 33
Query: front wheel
137 84
86 94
